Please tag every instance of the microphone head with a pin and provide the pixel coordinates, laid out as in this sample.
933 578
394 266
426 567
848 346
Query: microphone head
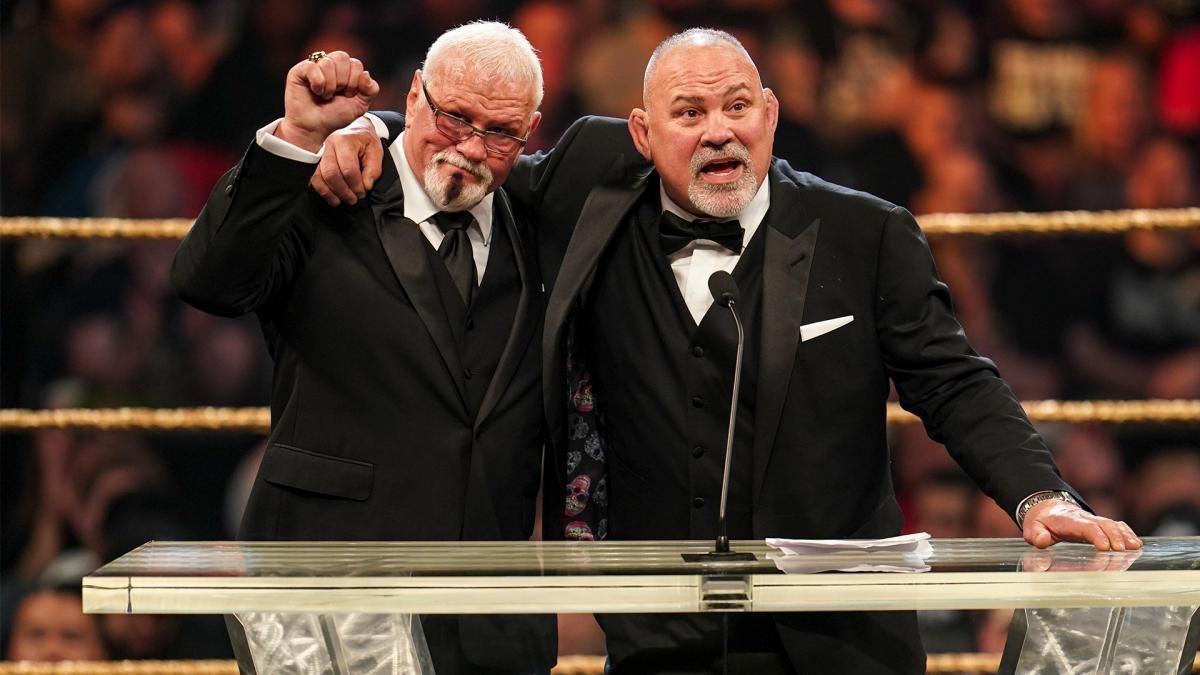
723 288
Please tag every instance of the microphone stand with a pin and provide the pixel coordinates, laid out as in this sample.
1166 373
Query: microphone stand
722 525
725 292
721 552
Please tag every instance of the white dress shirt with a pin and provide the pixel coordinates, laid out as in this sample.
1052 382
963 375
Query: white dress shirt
695 263
418 206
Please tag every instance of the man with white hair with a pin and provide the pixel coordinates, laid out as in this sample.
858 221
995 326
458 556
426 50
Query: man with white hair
839 296
406 402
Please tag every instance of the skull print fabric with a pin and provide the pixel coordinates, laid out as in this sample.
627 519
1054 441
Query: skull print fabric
585 505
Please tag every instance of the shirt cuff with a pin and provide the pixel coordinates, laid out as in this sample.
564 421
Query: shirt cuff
267 140
381 129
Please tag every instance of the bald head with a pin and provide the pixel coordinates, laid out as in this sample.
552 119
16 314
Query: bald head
708 124
693 37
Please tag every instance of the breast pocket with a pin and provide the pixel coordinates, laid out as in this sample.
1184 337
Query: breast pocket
816 329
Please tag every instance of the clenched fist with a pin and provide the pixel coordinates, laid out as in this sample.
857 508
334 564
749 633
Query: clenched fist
323 94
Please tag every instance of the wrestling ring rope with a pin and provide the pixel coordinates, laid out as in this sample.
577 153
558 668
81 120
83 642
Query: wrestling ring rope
258 419
935 224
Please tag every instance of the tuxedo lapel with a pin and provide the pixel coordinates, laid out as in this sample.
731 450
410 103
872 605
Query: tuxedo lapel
524 321
599 218
791 238
405 248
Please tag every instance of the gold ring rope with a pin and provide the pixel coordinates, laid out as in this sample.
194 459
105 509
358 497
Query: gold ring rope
1152 411
567 665
1059 222
258 419
141 419
933 224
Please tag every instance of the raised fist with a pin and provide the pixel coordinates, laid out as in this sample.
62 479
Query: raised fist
324 92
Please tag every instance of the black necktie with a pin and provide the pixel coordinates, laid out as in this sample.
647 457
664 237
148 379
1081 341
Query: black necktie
456 250
675 232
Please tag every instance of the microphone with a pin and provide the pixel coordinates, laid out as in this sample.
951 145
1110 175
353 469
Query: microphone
725 293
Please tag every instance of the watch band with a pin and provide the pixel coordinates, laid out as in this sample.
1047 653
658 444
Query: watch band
1039 497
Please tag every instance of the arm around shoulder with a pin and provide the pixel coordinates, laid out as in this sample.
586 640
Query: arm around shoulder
394 122
581 157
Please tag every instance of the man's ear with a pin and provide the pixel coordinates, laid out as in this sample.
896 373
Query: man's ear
772 109
413 99
534 123
639 129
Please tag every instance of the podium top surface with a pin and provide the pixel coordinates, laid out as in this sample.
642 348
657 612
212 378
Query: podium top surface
233 559
520 577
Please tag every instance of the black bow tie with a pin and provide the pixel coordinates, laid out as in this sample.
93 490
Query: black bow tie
675 232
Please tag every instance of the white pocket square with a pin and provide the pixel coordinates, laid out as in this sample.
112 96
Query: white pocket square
811 330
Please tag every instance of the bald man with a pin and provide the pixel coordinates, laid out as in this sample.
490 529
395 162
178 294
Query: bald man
839 295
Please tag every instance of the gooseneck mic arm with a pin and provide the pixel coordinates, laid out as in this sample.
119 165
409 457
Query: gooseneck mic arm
725 292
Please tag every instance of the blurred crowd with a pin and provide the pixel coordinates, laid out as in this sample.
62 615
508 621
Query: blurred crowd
134 108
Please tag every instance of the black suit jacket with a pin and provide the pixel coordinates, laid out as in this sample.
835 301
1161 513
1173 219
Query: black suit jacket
821 462
820 452
371 435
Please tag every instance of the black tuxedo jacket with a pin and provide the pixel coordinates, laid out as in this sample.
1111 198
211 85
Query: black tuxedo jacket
820 452
371 435
821 462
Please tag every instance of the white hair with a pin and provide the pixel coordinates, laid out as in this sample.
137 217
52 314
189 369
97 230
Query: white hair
692 37
449 193
491 49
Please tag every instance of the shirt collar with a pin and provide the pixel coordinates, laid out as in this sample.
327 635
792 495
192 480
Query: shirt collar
419 207
750 217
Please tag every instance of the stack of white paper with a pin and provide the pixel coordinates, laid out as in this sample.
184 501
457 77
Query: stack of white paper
905 553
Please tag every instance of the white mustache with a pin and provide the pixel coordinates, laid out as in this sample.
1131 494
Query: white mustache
479 170
703 156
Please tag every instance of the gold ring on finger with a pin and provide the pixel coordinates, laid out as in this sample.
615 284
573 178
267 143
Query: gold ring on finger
317 56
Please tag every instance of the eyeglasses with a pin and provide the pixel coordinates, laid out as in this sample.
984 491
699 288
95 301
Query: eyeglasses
458 130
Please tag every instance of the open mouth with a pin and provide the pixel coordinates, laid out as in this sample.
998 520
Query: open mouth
721 168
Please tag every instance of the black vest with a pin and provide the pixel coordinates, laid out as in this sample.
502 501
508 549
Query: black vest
663 386
482 329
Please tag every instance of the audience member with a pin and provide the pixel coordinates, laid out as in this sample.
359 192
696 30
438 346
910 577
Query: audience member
1167 482
943 505
135 109
553 29
1089 458
1112 124
48 625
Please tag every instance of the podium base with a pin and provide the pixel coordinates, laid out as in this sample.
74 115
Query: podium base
718 557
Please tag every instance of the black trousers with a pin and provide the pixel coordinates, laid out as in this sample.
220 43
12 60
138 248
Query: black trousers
694 644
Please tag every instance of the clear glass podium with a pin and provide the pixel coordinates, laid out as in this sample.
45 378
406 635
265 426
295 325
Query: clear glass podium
1084 610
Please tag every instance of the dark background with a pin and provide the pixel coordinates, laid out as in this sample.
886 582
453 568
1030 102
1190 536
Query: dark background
124 108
